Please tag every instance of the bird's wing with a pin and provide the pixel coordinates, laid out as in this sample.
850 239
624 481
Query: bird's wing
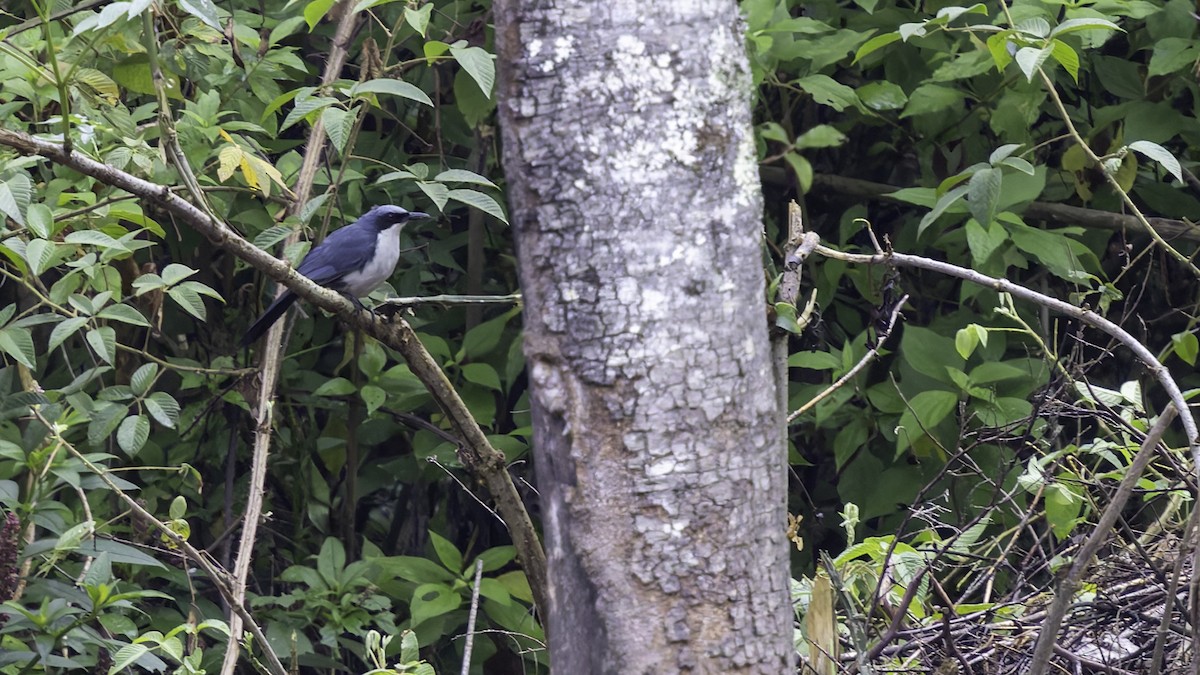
343 251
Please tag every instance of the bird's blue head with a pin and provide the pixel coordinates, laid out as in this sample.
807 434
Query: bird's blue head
383 217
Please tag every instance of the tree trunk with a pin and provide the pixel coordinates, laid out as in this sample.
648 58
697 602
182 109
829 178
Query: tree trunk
659 448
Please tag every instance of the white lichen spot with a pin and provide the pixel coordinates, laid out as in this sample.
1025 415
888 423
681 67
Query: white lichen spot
534 47
629 44
660 468
563 48
653 302
674 528
570 294
627 291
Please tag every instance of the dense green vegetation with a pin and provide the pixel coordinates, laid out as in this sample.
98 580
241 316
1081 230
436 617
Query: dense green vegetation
994 419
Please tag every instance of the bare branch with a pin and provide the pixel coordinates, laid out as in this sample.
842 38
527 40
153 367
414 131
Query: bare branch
1148 359
1071 584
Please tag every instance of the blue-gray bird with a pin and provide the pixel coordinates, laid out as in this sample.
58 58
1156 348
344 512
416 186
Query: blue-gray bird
353 261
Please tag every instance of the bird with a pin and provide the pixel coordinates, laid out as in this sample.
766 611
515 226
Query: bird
353 261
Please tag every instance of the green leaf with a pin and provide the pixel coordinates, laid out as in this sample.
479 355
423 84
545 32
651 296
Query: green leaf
1019 164
828 91
814 361
132 434
315 11
1035 27
419 18
306 106
998 45
412 568
1090 23
39 253
331 561
929 353
447 552
103 341
1186 346
478 64
374 397
1062 509
944 202
106 417
882 95
93 238
1161 155
1030 59
338 386
64 330
462 176
952 13
1003 152
1066 57
17 342
41 220
483 338
495 558
965 342
480 201
126 656
391 87
874 44
125 314
432 600
802 168
932 98
142 378
983 193
15 194
204 10
1172 55
925 411
189 299
272 235
338 124
820 136
163 408
984 240
482 374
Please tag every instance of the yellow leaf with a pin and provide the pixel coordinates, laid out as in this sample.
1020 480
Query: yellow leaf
249 173
229 158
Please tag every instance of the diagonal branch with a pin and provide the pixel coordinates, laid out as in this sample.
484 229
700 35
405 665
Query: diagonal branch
271 355
477 454
1143 354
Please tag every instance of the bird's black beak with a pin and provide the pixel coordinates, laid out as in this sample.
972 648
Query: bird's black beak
417 215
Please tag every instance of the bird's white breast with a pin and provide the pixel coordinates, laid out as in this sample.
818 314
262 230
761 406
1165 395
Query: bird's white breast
379 268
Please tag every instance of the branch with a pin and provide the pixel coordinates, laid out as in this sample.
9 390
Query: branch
477 453
1059 214
215 574
271 355
1158 370
1083 559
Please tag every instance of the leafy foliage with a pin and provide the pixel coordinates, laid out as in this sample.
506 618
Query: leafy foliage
118 326
970 124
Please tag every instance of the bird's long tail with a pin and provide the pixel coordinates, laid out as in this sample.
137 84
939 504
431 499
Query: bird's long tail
268 318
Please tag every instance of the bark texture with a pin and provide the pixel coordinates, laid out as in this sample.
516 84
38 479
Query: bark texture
637 211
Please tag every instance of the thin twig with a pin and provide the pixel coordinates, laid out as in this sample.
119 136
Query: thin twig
1149 361
466 662
1071 584
218 576
862 363
1112 181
